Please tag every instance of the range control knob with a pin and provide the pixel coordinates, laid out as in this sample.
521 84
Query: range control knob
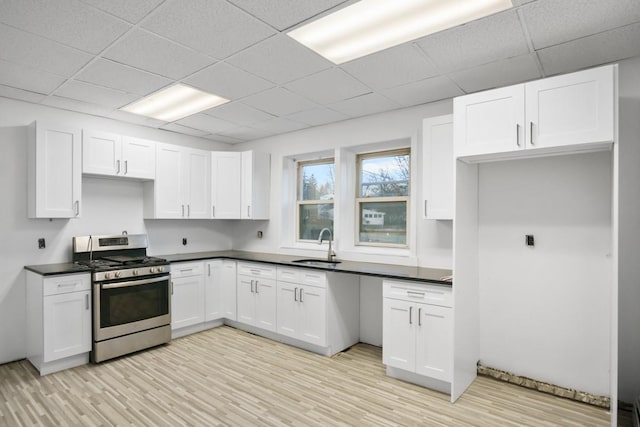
160 269
135 272
152 270
117 274
107 275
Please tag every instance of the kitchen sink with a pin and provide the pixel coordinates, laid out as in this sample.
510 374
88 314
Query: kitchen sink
317 262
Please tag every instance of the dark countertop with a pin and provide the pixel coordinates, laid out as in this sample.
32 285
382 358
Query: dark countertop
389 271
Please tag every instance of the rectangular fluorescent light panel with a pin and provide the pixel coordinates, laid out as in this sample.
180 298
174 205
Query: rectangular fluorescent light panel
174 103
369 26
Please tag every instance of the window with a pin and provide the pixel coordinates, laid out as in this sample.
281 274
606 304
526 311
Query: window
382 198
316 186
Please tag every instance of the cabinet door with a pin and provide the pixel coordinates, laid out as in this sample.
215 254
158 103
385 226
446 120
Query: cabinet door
434 341
288 307
489 122
245 300
213 290
138 158
398 334
197 181
246 193
187 307
313 315
169 182
228 289
67 325
437 167
225 184
571 109
55 171
265 294
101 153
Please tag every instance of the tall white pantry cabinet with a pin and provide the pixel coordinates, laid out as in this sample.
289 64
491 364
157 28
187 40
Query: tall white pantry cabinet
536 192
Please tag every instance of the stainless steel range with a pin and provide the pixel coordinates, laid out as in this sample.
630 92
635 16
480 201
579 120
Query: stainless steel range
131 294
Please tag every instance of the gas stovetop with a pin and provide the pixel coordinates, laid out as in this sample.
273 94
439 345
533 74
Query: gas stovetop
121 261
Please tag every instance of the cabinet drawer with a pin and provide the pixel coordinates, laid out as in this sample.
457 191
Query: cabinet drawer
257 270
302 276
65 284
187 269
417 292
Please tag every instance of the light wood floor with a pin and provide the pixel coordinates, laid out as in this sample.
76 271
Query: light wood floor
228 377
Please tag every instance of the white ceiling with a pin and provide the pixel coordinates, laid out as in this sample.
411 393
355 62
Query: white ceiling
94 56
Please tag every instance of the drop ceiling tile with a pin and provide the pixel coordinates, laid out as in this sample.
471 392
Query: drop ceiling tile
206 123
392 67
279 102
69 22
496 74
227 81
95 94
370 103
585 52
75 105
422 92
225 139
280 59
129 10
27 78
479 42
239 113
35 51
135 118
279 125
246 133
551 22
22 95
328 86
214 27
283 14
317 116
158 55
174 127
122 77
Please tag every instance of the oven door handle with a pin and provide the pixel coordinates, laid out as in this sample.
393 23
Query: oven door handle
134 283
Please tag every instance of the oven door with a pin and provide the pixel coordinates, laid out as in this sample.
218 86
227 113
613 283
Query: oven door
125 307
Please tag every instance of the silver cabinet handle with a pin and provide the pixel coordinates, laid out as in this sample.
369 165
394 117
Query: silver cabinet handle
188 211
419 316
410 314
252 286
172 287
425 208
518 134
295 294
77 203
213 211
531 132
126 166
209 269
257 287
248 211
182 211
118 167
301 300
86 302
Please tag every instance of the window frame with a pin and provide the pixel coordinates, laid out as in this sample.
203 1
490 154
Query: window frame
300 202
363 200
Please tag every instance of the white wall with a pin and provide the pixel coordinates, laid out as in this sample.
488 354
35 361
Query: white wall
109 206
545 310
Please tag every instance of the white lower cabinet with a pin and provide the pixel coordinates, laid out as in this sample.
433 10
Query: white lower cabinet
256 293
187 294
58 321
417 330
220 290
302 312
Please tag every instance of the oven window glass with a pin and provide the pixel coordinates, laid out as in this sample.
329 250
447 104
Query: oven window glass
129 304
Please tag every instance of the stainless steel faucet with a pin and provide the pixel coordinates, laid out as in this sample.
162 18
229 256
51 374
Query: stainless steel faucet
330 254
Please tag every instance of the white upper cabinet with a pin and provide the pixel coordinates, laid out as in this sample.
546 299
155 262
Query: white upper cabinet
110 154
181 188
256 182
437 167
54 174
226 177
558 114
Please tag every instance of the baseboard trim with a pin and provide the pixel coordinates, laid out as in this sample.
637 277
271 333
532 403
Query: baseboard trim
579 396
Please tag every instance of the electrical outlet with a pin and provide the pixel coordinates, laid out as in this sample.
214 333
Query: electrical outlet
260 234
529 240
41 243
184 241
